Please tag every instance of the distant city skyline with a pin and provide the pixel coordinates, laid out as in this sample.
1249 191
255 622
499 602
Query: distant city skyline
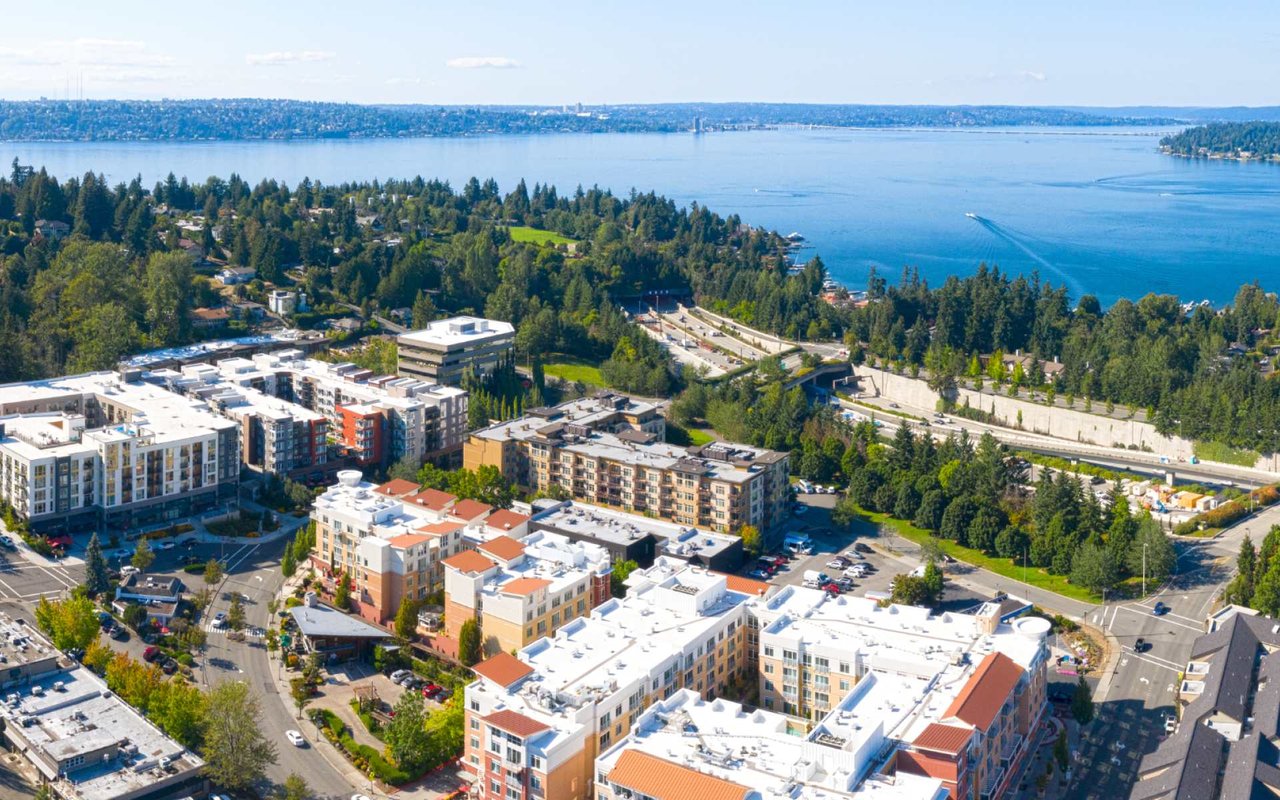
1084 53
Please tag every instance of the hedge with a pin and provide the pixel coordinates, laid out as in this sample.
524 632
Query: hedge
365 758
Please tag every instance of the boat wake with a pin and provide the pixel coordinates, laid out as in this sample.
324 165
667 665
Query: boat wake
1073 285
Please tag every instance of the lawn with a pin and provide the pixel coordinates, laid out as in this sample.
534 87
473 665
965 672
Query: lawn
523 233
1217 451
688 437
574 369
1001 566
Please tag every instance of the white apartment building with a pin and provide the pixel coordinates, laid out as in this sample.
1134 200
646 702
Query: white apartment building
520 590
688 747
445 350
106 448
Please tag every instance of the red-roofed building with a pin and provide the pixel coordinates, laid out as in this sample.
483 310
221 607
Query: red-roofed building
397 487
432 499
942 752
1001 703
505 521
502 548
503 669
470 510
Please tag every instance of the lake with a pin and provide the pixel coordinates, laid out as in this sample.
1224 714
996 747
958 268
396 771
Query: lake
1100 211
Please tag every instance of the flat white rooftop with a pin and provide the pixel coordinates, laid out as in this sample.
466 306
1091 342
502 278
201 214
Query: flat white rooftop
457 331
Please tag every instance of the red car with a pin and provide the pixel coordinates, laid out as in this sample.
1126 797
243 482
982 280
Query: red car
831 588
431 690
151 653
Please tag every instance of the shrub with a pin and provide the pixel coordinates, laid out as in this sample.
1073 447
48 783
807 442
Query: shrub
292 602
185 659
194 569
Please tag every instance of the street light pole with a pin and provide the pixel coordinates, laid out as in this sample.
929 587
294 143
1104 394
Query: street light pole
1144 569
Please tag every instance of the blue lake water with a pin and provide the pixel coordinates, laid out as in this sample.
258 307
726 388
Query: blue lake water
1101 212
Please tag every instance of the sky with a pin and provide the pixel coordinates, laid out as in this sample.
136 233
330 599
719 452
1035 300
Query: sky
1081 52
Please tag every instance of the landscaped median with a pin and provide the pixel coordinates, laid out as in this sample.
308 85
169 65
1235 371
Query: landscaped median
1033 576
362 756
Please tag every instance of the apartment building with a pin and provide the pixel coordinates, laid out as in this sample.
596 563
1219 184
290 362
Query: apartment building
107 449
608 450
447 349
535 722
1228 705
371 419
277 437
689 747
83 741
390 544
522 590
632 537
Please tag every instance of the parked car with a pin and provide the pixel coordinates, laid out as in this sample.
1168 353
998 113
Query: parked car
169 667
220 619
839 562
860 547
150 653
105 620
1170 723
120 633
854 572
129 569
800 510
7 543
431 690
295 738
845 583
399 675
758 574
831 588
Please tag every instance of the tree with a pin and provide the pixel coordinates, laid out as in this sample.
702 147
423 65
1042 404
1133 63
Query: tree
750 536
1061 751
1082 702
408 743
143 555
407 618
405 469
300 692
1240 590
288 563
469 642
295 788
1152 549
167 293
235 750
135 616
235 614
1093 568
212 571
96 580
342 596
908 590
618 578
71 623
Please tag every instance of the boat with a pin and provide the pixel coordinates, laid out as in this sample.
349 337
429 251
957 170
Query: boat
794 237
970 215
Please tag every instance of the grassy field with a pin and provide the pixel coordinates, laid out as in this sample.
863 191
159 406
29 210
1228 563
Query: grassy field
523 233
1001 566
573 369
1216 451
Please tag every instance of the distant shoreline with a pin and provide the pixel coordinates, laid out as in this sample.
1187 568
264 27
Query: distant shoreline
1273 158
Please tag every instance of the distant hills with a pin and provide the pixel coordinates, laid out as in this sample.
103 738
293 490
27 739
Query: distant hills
236 119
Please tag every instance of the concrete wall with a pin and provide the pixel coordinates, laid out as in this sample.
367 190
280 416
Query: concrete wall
1058 422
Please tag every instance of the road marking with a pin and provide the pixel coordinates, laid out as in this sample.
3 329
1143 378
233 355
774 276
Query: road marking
1150 660
1167 615
1196 628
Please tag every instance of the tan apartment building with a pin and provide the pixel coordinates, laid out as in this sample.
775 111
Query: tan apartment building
608 450
520 591
445 350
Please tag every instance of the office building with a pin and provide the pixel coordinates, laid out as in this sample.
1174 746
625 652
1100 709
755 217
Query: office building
84 741
105 448
522 590
608 450
447 349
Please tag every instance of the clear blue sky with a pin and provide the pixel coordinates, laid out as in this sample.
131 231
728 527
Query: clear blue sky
1082 52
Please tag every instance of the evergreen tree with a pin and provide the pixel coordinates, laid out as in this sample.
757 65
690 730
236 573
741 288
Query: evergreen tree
96 581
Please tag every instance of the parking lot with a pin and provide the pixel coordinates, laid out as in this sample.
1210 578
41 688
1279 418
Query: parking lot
829 541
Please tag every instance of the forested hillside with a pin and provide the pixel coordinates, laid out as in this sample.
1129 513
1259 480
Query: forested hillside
1226 140
1204 374
129 263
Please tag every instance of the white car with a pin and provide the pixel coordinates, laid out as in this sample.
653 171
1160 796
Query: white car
295 738
360 797
800 510
129 569
856 571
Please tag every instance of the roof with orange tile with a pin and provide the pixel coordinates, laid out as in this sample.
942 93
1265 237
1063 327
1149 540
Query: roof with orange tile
503 547
433 499
407 540
399 487
441 528
943 738
469 561
504 519
524 585
470 509
985 692
737 583
665 780
503 669
516 723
